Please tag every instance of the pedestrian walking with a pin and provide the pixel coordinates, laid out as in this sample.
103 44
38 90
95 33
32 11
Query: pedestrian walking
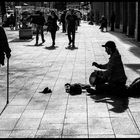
62 20
113 78
4 47
71 27
39 27
112 20
12 21
52 26
103 24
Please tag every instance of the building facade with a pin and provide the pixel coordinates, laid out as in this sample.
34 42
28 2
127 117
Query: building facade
127 15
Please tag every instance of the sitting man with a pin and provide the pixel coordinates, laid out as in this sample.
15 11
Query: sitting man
113 78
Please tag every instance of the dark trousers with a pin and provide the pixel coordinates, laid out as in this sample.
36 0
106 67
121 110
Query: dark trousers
53 35
103 87
39 29
71 36
63 26
112 26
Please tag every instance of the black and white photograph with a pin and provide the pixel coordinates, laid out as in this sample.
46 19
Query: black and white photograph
70 69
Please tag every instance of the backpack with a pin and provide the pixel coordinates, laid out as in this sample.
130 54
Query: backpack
134 87
73 89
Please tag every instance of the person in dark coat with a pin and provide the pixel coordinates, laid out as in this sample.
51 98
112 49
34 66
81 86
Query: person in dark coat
71 27
4 46
40 21
52 26
112 20
62 20
103 23
12 21
112 78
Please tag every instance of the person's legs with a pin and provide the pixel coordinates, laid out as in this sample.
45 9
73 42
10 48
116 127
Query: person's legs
73 38
69 36
53 33
37 35
42 34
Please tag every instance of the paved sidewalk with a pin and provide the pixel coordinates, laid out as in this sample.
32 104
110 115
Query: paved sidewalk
31 114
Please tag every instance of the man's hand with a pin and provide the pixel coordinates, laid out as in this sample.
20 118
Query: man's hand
95 64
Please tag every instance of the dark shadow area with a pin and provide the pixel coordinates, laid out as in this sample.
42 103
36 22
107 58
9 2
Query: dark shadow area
33 45
21 40
135 67
71 48
119 103
126 39
51 47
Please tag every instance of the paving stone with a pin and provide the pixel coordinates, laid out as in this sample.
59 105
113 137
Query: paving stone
75 136
75 129
50 129
128 136
99 126
32 114
4 134
23 134
27 124
76 118
8 123
135 107
136 116
101 136
10 109
123 126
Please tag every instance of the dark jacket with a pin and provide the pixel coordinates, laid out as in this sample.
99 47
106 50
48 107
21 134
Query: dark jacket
52 23
114 70
71 21
4 46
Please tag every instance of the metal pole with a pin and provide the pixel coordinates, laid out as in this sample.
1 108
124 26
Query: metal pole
7 80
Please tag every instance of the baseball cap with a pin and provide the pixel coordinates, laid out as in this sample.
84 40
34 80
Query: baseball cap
109 44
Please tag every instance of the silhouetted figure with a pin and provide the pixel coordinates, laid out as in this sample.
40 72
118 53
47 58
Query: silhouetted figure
52 26
12 21
113 78
39 27
62 20
103 23
71 27
112 20
4 46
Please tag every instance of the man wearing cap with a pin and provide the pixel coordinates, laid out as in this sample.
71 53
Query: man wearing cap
113 77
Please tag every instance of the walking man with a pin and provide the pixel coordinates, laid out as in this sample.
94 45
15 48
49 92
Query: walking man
71 19
39 28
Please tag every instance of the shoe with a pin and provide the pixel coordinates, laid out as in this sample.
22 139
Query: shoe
46 90
68 47
73 46
36 44
91 91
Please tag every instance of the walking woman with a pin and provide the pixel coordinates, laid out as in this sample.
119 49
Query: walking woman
52 26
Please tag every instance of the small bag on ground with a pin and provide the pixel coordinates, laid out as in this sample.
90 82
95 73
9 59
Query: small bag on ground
73 89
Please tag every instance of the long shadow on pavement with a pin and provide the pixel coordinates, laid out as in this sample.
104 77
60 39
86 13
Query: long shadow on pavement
119 103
